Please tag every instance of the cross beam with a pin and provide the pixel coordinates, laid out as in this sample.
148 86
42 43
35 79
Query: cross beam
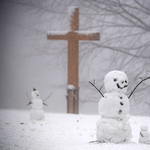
73 36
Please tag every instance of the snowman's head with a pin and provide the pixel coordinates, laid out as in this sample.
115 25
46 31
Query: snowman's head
145 133
35 94
144 128
116 81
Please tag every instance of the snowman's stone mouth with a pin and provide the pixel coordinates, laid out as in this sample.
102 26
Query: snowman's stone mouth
119 87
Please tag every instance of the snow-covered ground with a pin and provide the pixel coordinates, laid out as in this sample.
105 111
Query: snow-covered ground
60 132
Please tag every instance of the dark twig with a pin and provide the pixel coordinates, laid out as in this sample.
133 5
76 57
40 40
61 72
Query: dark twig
44 104
29 103
93 84
138 85
141 134
47 97
101 87
28 99
93 141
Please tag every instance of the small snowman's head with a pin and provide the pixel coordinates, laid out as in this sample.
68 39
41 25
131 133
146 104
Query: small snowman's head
35 94
145 133
144 128
116 81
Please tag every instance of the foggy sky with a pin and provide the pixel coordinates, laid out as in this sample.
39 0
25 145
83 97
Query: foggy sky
25 61
20 70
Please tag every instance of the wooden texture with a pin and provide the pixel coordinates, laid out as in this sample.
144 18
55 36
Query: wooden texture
73 36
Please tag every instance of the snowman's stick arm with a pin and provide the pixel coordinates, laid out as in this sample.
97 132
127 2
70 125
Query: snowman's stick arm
96 88
141 134
137 86
47 97
28 99
93 141
44 104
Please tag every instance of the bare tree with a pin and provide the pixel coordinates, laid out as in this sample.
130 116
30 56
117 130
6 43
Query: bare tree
125 27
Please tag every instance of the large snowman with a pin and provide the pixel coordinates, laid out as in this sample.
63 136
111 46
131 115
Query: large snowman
36 112
114 110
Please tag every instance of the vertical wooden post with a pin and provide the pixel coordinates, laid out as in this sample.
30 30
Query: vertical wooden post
73 55
73 37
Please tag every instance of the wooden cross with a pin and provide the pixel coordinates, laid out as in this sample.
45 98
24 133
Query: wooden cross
73 36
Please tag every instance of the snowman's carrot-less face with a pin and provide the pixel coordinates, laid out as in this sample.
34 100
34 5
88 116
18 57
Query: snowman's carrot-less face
35 94
116 81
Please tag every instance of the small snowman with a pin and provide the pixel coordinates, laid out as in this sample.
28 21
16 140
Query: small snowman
144 136
36 112
114 110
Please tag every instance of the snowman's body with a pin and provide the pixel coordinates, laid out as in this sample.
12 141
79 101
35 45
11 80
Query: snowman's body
114 110
36 112
114 105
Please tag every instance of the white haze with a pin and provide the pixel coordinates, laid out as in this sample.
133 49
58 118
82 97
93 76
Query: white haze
26 59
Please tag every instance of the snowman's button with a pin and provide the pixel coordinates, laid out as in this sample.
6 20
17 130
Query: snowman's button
120 111
120 97
121 103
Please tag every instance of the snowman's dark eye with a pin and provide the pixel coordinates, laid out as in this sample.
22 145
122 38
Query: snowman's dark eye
115 79
125 81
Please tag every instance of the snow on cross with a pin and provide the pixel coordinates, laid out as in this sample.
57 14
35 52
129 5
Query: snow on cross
73 36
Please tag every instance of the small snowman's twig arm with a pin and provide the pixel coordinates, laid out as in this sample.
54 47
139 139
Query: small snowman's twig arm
46 99
141 134
138 85
28 99
44 104
93 141
96 87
